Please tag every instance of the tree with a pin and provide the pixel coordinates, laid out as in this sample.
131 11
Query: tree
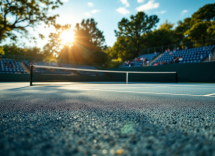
24 14
166 25
88 35
202 24
180 30
122 49
201 31
135 28
162 36
206 13
158 38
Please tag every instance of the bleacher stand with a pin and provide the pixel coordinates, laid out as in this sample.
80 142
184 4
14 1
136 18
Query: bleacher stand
193 55
148 57
11 66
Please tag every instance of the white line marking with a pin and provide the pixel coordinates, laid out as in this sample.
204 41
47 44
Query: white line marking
141 92
182 85
209 94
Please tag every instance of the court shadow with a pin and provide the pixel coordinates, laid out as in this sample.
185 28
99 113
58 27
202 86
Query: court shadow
19 88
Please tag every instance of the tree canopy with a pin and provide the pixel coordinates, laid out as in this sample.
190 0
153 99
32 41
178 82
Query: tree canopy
180 30
18 15
88 35
123 49
162 36
205 13
135 27
202 24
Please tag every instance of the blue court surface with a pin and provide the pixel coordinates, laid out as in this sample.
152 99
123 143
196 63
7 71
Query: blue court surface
107 119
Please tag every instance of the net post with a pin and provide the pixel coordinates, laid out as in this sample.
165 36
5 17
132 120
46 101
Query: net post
126 77
31 75
176 77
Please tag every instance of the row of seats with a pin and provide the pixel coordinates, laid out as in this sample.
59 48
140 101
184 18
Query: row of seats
148 57
11 66
193 55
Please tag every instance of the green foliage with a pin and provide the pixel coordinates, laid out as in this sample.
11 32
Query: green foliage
166 25
202 24
206 13
134 29
211 29
162 36
181 29
88 35
159 37
17 15
201 31
198 31
123 49
2 51
32 53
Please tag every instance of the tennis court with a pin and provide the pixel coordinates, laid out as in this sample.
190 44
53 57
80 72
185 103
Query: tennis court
107 118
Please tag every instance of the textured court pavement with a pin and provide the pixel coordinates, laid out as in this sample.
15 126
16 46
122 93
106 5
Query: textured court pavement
107 119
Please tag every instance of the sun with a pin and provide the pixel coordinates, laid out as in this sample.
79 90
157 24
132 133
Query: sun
67 37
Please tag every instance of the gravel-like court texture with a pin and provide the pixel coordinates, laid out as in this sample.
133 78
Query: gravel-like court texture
96 119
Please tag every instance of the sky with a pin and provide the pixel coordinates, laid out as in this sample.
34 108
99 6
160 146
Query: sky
107 13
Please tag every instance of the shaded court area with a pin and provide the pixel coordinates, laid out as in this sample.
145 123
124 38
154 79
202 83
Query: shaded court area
107 119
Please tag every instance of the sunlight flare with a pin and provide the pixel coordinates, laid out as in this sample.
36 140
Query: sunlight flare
67 37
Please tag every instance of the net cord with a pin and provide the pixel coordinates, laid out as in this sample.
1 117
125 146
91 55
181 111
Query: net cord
107 71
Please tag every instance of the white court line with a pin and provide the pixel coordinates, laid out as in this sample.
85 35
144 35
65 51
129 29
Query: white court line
209 94
142 92
183 85
154 87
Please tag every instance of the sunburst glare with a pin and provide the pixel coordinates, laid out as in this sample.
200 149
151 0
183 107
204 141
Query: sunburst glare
67 37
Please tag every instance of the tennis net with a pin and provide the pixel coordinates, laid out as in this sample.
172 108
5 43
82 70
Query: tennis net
41 73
